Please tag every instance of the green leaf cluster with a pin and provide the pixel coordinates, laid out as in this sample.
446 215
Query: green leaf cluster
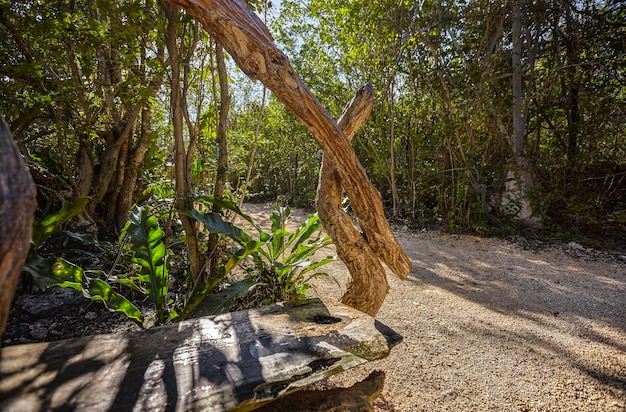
150 254
56 271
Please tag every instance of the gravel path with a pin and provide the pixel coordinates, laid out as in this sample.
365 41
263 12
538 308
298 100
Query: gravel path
491 326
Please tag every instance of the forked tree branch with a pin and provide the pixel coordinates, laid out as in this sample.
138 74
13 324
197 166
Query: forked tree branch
249 42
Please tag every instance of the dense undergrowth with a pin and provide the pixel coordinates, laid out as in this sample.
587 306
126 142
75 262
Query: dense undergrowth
147 262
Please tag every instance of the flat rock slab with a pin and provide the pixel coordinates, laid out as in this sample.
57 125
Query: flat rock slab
231 362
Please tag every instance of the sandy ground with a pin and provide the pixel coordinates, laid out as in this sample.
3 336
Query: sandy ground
491 326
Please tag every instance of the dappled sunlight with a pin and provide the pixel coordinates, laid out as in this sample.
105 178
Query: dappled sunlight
538 309
220 363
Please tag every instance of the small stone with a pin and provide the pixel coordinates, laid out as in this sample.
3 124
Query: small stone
38 332
575 246
50 302
91 316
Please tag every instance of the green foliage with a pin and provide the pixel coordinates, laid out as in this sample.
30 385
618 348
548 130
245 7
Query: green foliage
287 159
226 299
441 71
73 73
282 261
68 275
285 262
244 247
49 272
44 228
150 254
56 271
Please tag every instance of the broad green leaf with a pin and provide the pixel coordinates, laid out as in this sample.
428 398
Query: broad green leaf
102 291
61 273
150 253
219 302
215 224
250 248
51 223
228 205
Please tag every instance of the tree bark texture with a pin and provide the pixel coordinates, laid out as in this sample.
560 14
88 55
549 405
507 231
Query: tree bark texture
135 158
236 361
181 186
369 286
17 206
251 45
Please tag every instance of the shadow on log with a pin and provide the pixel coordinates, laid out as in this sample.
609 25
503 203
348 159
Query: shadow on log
236 361
17 206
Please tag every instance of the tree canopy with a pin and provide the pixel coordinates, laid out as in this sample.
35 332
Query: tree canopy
87 89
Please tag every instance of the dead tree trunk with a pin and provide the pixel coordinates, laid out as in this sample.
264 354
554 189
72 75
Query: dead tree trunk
17 205
369 286
249 42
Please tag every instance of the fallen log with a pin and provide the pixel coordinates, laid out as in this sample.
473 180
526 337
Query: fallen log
17 206
232 362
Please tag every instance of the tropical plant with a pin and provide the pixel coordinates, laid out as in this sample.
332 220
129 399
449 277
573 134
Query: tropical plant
49 271
150 254
280 264
285 261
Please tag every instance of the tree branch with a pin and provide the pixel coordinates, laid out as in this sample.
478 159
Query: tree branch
249 42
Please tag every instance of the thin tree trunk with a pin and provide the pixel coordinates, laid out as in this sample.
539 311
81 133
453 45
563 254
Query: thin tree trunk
255 144
521 174
392 151
181 185
222 155
516 60
572 109
192 127
222 126
257 127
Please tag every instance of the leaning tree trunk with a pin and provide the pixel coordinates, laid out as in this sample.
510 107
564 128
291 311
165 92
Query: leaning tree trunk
368 287
249 42
17 205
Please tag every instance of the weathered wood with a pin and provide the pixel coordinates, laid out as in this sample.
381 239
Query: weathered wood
368 286
358 397
17 205
236 361
251 45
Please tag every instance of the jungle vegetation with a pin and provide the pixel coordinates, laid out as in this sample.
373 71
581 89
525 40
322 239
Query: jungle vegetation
121 103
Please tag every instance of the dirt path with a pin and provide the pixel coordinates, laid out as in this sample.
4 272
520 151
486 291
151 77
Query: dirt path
487 325
490 326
